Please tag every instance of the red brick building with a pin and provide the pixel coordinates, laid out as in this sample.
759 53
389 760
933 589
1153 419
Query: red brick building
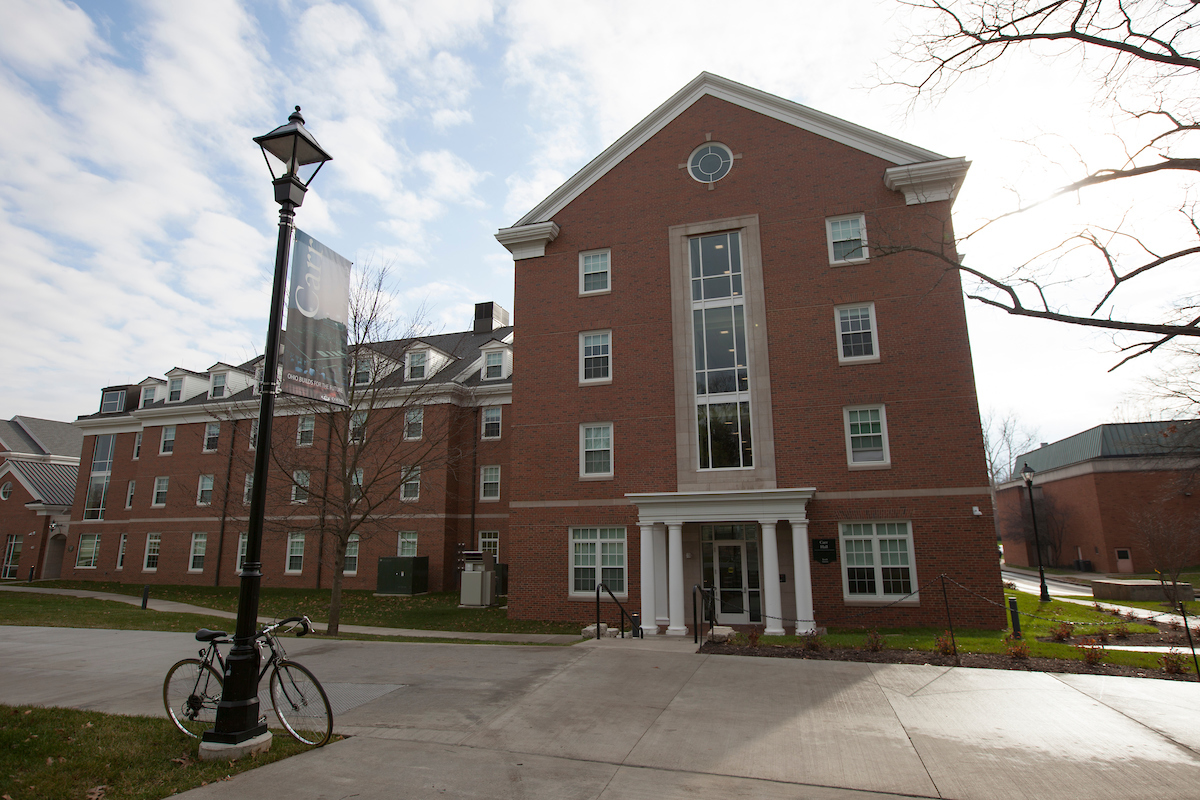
1094 490
163 495
731 354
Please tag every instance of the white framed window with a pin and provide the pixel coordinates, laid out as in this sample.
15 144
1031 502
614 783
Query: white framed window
137 445
491 422
356 484
218 386
414 423
596 450
299 486
248 489
12 557
148 393
97 492
489 542
710 162
121 551
243 543
406 543
489 482
204 490
877 560
153 545
166 444
594 272
160 490
362 371
597 554
258 380
358 427
350 566
493 366
858 337
212 436
6 490
129 494
306 426
88 552
175 390
595 357
253 434
847 239
196 560
416 366
112 401
410 490
866 437
295 553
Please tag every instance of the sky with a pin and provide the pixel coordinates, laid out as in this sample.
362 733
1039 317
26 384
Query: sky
137 225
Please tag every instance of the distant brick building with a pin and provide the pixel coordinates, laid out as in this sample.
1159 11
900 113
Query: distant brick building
721 370
1093 490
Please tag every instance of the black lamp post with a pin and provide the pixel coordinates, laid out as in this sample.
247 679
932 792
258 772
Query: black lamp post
238 729
1027 474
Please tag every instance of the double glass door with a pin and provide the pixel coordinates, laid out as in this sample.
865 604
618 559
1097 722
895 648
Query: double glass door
731 568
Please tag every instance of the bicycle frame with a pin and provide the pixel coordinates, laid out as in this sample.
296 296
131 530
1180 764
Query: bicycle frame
265 638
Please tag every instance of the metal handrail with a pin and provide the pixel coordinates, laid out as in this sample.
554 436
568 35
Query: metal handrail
633 631
710 610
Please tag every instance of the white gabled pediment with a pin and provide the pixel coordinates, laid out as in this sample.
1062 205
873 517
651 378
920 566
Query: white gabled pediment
830 127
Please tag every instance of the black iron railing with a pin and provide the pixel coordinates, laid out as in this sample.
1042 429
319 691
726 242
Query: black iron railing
710 610
634 630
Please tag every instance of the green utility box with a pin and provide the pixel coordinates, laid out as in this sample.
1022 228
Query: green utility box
403 575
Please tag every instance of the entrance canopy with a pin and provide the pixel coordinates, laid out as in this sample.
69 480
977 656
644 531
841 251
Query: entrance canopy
762 505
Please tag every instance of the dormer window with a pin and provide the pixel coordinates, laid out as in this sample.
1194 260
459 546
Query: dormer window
258 378
362 372
175 391
218 386
112 401
493 366
416 366
147 395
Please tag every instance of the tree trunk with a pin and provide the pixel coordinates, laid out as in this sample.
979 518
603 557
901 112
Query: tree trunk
335 592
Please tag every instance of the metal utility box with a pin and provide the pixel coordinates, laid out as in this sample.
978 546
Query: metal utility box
478 579
403 575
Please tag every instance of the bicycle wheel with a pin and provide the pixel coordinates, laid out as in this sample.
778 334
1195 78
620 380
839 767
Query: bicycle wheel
191 693
301 704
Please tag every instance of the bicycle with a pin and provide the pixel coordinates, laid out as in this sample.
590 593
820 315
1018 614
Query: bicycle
193 687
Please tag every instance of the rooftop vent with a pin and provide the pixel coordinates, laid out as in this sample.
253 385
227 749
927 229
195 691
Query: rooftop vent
488 317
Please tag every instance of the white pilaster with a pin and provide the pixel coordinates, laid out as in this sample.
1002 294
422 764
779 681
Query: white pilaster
771 599
800 559
661 614
649 626
675 578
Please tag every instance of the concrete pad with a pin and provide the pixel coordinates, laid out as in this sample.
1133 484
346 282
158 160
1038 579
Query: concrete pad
999 734
1173 712
808 722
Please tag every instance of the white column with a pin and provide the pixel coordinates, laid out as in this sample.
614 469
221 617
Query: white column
649 626
800 559
675 578
770 579
660 576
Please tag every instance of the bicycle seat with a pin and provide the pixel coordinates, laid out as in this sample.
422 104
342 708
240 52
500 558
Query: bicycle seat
205 635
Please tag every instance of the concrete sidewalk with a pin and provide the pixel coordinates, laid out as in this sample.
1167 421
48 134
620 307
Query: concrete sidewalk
654 719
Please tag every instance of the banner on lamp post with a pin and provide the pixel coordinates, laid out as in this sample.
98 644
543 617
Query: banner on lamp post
315 363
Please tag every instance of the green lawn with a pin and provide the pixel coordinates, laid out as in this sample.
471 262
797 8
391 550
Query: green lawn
65 754
64 611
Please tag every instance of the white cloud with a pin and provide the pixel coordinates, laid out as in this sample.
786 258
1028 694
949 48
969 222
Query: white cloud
43 36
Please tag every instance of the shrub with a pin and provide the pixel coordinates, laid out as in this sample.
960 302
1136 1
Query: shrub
752 636
945 644
1010 585
1173 662
1121 631
1102 634
1018 649
1062 631
738 639
812 642
875 641
1092 650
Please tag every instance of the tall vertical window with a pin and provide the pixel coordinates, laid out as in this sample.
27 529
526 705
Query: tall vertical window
243 543
175 390
12 556
212 436
877 559
595 357
153 544
847 239
299 486
406 543
414 423
358 427
167 443
112 401
489 483
102 458
147 395
160 490
306 425
121 551
416 366
597 554
137 445
295 553
410 490
491 422
89 550
204 490
350 567
722 364
493 366
356 484
129 494
866 437
199 544
489 542
218 386
253 434
857 337
248 489
594 272
595 450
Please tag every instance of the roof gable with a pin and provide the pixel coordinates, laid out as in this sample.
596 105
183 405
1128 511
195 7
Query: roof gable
830 127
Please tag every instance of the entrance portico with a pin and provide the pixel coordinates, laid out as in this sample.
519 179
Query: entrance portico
662 517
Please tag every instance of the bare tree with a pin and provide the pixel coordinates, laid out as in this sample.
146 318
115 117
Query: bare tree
1170 541
1145 58
1051 528
1005 438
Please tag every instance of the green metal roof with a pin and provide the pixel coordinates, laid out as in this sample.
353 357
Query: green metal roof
1142 439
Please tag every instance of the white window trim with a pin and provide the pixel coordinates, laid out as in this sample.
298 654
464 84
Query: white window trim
612 458
596 381
146 552
483 498
192 553
886 463
837 328
421 435
204 448
181 387
484 423
154 494
296 487
121 551
300 430
243 543
129 490
591 594
200 489
137 446
355 540
862 226
608 289
425 363
483 370
95 552
212 385
162 440
287 554
878 598
495 536
248 488
411 475
118 396
400 542
143 399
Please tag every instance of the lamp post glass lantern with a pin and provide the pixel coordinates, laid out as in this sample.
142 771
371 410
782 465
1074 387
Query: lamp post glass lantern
237 728
1027 474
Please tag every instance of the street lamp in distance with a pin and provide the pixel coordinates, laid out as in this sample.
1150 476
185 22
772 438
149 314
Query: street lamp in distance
238 729
1027 474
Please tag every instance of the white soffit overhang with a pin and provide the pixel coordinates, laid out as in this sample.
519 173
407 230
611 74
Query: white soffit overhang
770 105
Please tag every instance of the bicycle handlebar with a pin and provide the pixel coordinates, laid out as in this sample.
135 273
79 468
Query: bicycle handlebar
305 626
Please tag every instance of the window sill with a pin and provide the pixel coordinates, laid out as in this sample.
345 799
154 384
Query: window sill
78 567
847 362
489 499
596 292
158 505
489 438
590 597
607 477
850 262
149 569
869 466
412 438
595 381
161 453
195 571
915 600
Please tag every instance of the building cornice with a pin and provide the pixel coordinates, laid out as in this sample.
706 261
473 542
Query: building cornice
528 241
764 505
928 182
1098 466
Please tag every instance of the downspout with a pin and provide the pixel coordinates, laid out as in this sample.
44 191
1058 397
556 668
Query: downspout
225 504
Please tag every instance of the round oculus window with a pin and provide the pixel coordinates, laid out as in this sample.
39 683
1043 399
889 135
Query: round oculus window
710 162
6 490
